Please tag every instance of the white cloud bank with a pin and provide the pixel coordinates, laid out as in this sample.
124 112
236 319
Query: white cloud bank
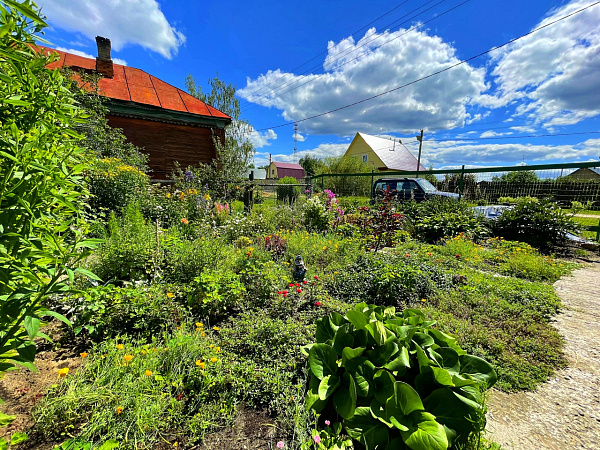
124 22
553 73
437 103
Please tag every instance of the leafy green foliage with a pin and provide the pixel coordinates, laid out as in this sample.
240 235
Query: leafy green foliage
392 378
521 176
288 190
380 223
541 224
42 235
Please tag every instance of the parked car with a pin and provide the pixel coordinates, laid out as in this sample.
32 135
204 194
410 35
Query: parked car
404 189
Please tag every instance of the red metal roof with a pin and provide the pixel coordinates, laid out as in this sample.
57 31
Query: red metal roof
135 85
289 170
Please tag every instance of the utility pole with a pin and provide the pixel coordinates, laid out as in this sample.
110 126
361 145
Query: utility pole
295 141
420 139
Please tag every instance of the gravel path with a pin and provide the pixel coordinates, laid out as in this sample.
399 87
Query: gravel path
564 413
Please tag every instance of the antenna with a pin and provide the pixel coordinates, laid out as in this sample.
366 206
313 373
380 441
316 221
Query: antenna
295 141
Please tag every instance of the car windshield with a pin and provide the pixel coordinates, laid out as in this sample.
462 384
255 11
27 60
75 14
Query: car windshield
426 185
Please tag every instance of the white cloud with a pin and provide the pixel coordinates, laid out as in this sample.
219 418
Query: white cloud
299 137
552 73
87 55
260 140
124 22
433 104
524 129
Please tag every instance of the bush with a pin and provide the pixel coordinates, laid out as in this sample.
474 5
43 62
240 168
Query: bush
539 223
286 191
315 216
392 380
114 185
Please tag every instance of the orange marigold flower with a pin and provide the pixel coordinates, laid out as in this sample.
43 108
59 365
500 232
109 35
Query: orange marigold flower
128 357
120 346
184 221
170 295
148 373
213 359
84 354
216 328
119 409
200 364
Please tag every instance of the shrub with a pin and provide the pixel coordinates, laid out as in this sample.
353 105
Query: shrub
380 224
114 184
540 223
287 191
392 380
214 294
315 216
516 200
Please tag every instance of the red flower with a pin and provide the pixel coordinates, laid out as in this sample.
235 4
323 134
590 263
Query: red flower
291 285
284 292
305 282
457 256
297 284
279 292
407 255
317 303
284 295
298 290
316 277
429 254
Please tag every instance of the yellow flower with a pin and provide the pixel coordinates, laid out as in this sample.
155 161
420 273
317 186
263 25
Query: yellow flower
213 359
119 409
200 364
178 328
120 346
84 354
206 197
169 195
423 299
148 373
170 295
216 328
210 346
143 352
199 324
63 372
203 334
325 248
128 357
217 349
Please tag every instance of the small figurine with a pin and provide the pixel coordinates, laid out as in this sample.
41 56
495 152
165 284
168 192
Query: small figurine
299 269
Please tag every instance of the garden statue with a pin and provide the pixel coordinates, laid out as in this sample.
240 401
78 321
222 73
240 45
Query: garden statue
299 269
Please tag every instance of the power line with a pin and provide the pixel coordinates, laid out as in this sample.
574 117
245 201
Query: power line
512 137
432 74
347 52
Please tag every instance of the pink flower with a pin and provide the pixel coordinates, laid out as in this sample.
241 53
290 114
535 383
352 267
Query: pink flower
327 422
280 444
317 439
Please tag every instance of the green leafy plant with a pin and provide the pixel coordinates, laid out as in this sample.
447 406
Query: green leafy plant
393 380
42 233
287 190
214 293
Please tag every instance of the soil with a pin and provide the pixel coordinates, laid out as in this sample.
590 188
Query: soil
22 389
564 413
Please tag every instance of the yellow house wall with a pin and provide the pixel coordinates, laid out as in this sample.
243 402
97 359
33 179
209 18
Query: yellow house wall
359 147
269 169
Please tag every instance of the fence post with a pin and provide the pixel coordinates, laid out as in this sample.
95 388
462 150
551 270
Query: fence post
372 181
461 182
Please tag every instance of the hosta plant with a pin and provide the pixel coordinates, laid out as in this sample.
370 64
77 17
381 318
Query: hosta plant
394 381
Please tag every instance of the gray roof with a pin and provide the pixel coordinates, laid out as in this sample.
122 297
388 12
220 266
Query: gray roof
394 156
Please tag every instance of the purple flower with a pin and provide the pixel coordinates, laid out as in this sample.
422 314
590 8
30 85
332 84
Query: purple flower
189 175
280 444
317 439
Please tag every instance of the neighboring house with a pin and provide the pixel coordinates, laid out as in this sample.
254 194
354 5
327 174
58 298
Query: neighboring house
169 124
591 173
382 154
279 170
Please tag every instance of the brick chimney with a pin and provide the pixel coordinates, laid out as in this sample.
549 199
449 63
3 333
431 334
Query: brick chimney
104 64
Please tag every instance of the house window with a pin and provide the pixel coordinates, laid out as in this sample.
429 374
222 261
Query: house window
365 158
272 171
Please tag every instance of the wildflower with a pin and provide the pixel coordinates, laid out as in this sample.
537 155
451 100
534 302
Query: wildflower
213 359
128 358
178 328
217 349
200 364
457 256
280 444
148 373
216 328
206 197
327 422
429 254
63 372
120 346
317 303
423 299
119 409
184 221
175 444
84 354
199 324
316 277
298 290
317 439
305 282
407 255
170 295
325 248
143 352
335 273
291 285
297 284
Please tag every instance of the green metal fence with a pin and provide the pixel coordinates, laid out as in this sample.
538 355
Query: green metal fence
564 183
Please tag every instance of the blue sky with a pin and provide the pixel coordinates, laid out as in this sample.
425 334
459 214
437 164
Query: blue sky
292 60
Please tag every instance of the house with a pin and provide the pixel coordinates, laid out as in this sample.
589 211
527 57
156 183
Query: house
169 124
278 170
382 154
587 173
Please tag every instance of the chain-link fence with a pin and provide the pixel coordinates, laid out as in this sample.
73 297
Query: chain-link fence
563 183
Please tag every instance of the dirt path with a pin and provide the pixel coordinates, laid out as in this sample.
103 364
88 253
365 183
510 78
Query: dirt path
564 413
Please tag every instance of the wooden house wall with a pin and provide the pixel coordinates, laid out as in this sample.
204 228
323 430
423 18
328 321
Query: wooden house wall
166 143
